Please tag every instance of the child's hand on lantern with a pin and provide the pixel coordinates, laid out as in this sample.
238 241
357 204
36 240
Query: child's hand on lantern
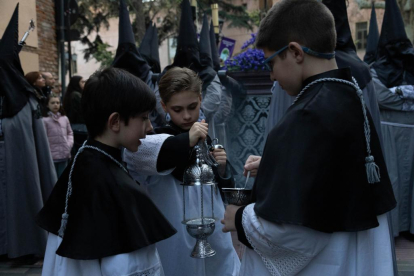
198 132
229 218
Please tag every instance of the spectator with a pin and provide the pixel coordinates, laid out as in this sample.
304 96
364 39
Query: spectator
57 89
49 83
59 133
72 100
38 82
72 106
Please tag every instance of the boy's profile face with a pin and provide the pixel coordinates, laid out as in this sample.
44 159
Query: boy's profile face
137 128
184 108
286 70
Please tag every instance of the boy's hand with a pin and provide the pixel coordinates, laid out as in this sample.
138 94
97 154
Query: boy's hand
198 132
221 158
229 218
252 165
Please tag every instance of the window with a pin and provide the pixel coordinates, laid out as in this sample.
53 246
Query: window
158 19
361 35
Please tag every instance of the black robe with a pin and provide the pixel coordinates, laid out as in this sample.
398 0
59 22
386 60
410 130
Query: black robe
109 213
312 172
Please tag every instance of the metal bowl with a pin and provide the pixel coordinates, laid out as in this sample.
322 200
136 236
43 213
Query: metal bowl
200 227
237 196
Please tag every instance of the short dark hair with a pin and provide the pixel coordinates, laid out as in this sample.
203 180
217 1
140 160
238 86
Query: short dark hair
307 22
176 80
114 90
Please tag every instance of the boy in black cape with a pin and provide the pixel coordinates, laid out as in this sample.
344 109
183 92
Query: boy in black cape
322 188
109 225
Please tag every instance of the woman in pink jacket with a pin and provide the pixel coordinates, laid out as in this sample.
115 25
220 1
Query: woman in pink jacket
59 133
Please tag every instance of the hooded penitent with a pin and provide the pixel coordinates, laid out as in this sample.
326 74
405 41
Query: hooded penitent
27 173
373 37
149 48
345 51
214 51
14 89
188 54
395 53
346 57
127 56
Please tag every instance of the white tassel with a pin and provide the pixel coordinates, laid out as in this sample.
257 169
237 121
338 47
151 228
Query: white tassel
373 171
63 224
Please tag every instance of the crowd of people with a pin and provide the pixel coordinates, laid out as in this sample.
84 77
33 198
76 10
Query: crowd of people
59 114
98 171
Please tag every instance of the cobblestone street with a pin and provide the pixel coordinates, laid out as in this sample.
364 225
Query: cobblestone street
33 267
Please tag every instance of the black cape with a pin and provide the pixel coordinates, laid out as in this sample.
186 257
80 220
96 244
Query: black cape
109 213
312 172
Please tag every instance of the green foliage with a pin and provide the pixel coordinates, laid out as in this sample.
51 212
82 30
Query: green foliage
103 56
95 14
256 17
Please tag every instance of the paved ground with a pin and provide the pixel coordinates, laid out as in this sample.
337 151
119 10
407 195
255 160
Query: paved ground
32 266
404 250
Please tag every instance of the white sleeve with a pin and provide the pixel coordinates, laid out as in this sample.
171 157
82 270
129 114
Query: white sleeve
285 249
144 161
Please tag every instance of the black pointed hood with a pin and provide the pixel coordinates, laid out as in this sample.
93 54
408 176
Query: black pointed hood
393 29
345 51
14 88
205 45
395 53
127 56
373 37
214 51
344 39
187 54
145 45
149 48
155 55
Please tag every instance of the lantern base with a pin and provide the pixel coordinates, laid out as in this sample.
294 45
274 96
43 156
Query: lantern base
202 250
200 229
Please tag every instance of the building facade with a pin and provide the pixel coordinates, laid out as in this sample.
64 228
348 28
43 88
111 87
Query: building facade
40 52
359 13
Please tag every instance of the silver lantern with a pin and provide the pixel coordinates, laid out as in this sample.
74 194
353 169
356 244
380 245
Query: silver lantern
196 176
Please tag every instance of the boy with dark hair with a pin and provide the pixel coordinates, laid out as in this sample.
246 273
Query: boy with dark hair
100 221
320 196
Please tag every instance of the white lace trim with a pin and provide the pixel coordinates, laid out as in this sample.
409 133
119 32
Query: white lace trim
144 161
153 271
278 260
